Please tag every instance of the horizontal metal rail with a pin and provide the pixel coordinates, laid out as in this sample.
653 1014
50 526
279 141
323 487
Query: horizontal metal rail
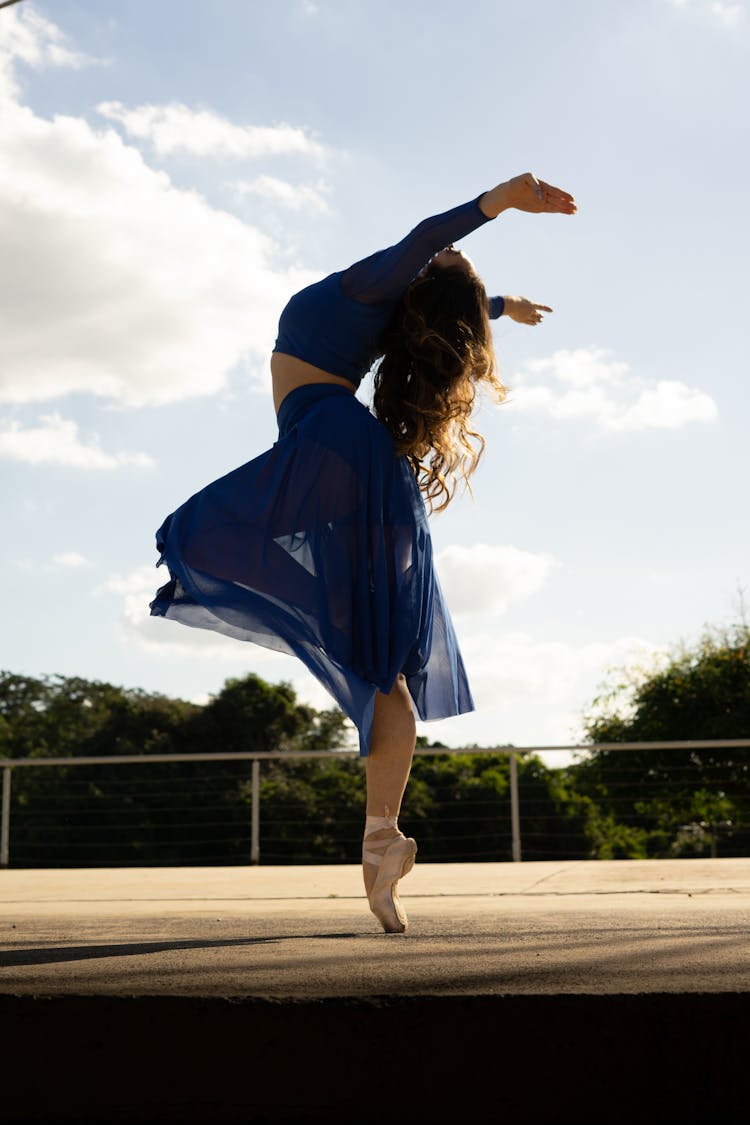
7 765
289 755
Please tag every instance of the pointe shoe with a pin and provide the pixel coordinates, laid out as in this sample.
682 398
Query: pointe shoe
395 861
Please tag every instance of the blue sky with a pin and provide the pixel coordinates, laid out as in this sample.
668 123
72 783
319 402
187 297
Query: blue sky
172 172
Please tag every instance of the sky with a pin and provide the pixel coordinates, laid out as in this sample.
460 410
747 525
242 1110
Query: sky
172 172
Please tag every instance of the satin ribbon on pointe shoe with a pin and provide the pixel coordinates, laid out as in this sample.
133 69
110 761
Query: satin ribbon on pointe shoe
394 857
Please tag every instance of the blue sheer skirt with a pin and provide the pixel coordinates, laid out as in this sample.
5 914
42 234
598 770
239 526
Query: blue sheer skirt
320 548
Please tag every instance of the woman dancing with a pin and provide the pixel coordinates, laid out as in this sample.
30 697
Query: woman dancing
320 547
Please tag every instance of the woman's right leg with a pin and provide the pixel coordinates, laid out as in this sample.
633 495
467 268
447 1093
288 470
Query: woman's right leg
388 764
394 735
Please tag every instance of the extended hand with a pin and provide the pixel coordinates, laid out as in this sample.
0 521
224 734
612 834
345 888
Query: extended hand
524 311
527 193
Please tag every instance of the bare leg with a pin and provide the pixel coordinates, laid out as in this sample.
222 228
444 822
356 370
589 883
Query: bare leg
389 762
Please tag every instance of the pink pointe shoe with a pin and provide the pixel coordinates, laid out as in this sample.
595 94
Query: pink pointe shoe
394 857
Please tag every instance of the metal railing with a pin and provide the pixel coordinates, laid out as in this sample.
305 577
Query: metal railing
256 757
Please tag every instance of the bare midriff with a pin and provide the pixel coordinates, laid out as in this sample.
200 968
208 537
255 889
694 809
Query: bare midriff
288 373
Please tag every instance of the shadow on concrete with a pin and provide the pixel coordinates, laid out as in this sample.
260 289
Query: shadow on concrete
14 958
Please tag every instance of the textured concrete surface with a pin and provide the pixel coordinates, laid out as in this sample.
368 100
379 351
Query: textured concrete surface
522 994
291 932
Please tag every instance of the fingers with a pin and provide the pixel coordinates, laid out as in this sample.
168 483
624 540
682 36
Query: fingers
524 311
551 192
556 200
556 193
534 315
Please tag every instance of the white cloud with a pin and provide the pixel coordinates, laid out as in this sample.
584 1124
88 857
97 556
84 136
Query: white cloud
582 368
122 285
527 691
56 442
668 405
178 128
71 559
516 668
296 197
588 383
531 692
29 38
162 637
729 14
488 579
157 634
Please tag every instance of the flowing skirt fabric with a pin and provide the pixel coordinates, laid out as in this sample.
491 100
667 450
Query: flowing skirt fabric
320 548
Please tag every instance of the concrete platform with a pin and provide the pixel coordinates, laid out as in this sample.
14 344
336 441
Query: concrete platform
286 932
522 993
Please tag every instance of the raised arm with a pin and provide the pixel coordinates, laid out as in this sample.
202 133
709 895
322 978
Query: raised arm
385 275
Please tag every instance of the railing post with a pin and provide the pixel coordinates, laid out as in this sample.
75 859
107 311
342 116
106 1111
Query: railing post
5 820
255 814
515 817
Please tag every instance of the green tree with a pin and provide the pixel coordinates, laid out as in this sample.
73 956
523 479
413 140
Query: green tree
552 818
250 714
672 802
312 811
171 812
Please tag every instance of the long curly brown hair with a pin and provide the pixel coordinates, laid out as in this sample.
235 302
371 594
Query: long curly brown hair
435 353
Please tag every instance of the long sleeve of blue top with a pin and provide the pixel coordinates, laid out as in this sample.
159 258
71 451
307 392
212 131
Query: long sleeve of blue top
336 323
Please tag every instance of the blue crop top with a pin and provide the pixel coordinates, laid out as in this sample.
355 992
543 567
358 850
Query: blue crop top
336 323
